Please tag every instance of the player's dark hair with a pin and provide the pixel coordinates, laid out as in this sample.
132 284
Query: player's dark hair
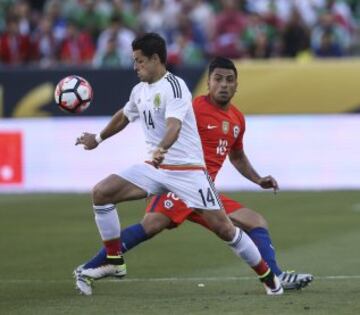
221 62
150 44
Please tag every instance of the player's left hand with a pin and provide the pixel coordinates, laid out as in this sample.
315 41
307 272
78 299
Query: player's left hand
269 182
158 156
88 140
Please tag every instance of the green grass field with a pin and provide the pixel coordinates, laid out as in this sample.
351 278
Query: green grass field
43 237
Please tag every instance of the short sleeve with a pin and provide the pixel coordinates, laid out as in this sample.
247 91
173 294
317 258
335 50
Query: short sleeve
130 109
239 143
178 100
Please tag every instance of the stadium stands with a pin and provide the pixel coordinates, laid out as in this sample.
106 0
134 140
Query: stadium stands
47 33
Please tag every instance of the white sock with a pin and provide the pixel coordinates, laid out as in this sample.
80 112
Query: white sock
107 221
244 247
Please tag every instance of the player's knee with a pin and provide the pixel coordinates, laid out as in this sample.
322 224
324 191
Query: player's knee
257 220
261 222
99 195
248 219
225 231
154 223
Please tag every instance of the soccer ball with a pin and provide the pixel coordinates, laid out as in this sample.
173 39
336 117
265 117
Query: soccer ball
73 94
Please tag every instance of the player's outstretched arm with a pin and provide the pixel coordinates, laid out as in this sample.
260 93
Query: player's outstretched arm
173 127
117 123
240 161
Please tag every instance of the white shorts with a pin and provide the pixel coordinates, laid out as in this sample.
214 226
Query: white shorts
194 187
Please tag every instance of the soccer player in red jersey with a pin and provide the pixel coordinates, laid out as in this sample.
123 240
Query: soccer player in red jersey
221 127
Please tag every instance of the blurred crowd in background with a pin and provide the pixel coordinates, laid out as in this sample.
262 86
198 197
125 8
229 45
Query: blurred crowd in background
49 33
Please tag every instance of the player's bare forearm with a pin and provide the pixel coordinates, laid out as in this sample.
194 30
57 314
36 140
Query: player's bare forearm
173 127
117 123
240 161
90 140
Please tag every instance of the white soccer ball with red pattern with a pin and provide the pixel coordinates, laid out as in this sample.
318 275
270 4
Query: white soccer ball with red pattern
73 94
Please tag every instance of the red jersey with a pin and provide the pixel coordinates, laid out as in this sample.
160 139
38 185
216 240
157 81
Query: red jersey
220 131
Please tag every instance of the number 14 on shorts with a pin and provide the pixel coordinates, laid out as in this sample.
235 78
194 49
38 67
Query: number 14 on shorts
209 197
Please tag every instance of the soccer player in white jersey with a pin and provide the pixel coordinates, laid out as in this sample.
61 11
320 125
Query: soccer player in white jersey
175 163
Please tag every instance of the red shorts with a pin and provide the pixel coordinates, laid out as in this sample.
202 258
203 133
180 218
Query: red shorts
177 211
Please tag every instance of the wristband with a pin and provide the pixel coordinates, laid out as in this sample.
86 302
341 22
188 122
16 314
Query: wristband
98 138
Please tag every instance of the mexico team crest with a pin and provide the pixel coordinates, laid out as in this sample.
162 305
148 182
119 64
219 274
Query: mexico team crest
157 102
225 127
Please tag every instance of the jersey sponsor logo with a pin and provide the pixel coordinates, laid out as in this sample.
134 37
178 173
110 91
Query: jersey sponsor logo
236 131
157 102
168 204
211 126
225 127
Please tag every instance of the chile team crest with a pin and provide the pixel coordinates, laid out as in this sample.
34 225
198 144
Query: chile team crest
225 126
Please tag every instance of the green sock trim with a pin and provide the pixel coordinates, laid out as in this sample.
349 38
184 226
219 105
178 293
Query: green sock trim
265 274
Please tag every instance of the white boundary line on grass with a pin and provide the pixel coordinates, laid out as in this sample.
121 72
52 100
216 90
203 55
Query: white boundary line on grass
225 279
173 279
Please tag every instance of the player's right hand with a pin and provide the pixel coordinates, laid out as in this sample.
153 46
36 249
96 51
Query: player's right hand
269 182
158 156
87 140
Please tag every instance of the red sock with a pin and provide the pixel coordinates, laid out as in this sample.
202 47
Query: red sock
261 268
113 247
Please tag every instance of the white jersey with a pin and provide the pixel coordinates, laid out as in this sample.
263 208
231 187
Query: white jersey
153 104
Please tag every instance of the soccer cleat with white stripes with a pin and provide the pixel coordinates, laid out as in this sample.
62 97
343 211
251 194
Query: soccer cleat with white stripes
82 283
291 280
